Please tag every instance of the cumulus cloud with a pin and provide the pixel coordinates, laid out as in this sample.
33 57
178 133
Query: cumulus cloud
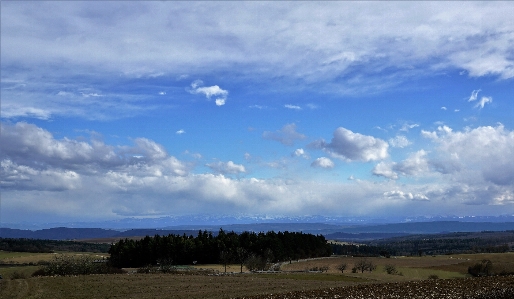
323 162
287 135
352 146
210 91
487 149
180 132
226 168
27 145
87 179
397 194
385 170
416 164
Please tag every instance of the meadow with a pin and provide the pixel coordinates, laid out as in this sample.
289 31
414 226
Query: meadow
210 281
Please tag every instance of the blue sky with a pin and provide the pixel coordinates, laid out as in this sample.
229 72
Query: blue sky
148 109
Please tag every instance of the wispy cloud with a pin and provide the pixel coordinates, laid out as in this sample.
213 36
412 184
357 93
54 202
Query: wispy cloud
474 95
483 101
293 107
287 135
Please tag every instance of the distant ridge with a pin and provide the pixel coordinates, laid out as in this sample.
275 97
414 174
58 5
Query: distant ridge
330 231
64 233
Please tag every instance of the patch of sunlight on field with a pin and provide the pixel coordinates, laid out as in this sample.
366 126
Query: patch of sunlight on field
421 273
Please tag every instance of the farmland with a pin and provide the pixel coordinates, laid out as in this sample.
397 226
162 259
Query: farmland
295 280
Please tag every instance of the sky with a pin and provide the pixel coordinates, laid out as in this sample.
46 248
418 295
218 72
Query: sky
143 109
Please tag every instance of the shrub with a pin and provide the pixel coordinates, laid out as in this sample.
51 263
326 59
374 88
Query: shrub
485 268
390 269
63 265
256 263
433 276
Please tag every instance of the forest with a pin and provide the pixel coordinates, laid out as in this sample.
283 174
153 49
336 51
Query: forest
225 247
48 246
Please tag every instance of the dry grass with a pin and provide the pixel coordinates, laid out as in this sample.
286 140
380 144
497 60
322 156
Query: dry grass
243 285
157 286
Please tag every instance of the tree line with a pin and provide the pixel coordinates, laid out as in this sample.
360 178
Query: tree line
49 246
225 247
434 245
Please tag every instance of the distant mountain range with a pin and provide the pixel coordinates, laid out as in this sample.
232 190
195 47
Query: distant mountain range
330 231
210 221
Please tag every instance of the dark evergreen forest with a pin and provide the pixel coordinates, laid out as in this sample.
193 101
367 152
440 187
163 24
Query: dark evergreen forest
48 246
223 248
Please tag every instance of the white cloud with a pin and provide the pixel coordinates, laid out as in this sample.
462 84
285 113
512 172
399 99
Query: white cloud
397 194
474 95
226 168
300 152
28 145
354 146
483 101
211 91
180 132
287 135
399 141
407 126
488 150
443 108
323 162
415 164
258 107
293 107
90 179
386 170
121 40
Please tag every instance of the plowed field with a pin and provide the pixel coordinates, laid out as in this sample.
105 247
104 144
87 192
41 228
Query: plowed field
469 288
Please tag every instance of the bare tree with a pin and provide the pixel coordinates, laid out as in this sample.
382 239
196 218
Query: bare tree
241 255
225 258
365 265
342 267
